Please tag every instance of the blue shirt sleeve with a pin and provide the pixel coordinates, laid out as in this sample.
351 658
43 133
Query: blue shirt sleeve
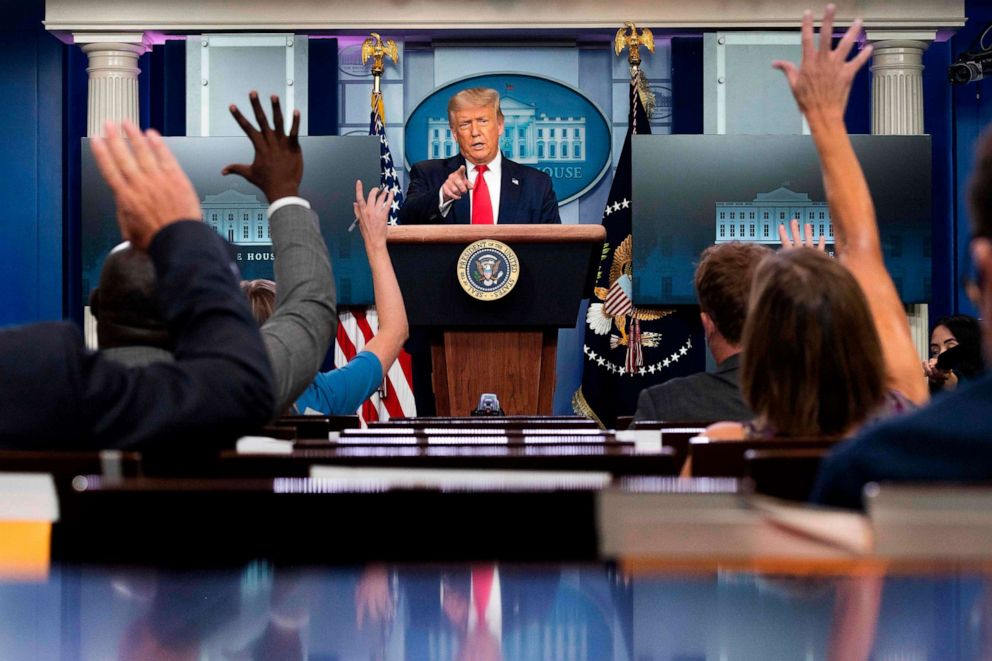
341 391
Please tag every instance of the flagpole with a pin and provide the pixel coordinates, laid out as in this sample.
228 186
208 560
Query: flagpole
395 396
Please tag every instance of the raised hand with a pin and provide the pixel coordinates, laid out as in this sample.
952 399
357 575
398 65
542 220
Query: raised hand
278 166
150 188
822 82
373 215
456 185
797 240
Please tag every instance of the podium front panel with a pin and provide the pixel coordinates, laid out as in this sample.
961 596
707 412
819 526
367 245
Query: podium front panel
542 296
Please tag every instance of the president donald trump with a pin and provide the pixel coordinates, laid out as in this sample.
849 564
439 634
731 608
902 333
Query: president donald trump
478 186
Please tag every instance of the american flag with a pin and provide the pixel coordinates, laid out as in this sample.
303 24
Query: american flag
357 326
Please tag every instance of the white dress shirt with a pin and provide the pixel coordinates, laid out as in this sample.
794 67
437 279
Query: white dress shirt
494 178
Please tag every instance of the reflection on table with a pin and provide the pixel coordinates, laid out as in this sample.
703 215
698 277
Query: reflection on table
498 611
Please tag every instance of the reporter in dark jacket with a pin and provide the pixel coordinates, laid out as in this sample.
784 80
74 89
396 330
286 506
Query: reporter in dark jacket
57 394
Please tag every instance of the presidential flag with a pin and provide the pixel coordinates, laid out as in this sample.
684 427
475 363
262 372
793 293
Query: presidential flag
357 326
627 347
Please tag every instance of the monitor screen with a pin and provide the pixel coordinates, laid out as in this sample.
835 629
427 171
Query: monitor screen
237 210
691 191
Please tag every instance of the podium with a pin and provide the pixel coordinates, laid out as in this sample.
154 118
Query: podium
506 346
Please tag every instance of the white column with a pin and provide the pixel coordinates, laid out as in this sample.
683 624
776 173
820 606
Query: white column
897 87
113 76
897 109
113 84
112 94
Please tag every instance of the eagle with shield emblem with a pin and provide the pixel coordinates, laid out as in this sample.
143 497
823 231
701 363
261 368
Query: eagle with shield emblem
617 308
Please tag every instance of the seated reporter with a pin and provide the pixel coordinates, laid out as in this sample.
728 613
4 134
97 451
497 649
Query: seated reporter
57 394
813 362
297 334
341 391
723 288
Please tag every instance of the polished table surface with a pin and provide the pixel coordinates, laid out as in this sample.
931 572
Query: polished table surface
553 611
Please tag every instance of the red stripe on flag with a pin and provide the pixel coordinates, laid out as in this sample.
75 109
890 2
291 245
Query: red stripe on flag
363 324
393 407
406 364
345 343
617 302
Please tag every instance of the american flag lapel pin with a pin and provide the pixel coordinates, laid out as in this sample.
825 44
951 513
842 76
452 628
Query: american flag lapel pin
516 182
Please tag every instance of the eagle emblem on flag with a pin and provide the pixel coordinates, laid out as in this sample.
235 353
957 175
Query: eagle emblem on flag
617 310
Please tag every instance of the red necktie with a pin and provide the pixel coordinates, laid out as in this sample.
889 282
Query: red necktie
482 206
482 584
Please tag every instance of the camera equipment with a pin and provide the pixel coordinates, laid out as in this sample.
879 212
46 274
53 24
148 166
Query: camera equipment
970 67
488 405
973 64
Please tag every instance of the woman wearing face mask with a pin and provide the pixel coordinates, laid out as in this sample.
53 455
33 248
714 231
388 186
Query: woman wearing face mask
955 352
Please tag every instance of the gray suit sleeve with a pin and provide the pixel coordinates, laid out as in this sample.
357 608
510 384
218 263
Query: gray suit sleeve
305 319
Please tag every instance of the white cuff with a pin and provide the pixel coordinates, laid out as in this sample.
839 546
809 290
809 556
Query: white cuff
443 206
285 202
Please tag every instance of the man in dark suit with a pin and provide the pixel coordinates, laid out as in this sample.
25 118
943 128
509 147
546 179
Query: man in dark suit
450 191
57 394
723 286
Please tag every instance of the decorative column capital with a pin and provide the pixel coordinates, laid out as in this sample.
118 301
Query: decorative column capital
113 75
897 80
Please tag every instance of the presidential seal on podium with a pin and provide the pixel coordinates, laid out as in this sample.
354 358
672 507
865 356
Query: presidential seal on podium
488 270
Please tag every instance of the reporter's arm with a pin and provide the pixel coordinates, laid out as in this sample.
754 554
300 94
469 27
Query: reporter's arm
300 329
342 390
821 86
305 317
394 330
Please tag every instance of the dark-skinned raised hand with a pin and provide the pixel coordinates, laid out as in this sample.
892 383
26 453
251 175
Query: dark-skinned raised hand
278 166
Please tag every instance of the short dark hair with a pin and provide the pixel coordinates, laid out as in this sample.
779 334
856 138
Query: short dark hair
723 284
812 361
262 297
125 302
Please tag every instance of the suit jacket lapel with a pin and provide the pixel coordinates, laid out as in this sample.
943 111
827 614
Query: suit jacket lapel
509 192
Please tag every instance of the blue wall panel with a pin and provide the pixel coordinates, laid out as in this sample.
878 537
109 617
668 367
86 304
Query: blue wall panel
938 122
74 86
31 168
971 114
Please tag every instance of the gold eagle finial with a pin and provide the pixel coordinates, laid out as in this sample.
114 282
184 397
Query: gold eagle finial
629 37
378 49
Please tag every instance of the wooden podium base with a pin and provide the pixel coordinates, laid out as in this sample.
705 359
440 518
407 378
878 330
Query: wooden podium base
518 366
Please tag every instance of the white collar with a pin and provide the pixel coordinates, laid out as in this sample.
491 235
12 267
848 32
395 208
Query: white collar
495 165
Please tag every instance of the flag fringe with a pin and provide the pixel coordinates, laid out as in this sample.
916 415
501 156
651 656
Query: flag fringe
581 407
